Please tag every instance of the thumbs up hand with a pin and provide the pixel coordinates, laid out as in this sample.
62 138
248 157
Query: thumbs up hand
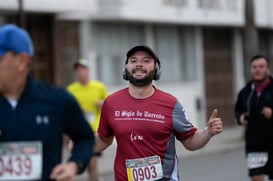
215 124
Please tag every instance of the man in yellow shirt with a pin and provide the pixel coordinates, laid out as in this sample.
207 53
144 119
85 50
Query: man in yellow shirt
90 94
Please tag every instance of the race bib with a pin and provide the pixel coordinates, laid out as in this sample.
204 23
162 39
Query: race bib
257 159
144 169
20 161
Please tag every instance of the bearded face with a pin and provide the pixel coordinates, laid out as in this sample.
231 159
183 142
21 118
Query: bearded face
140 81
140 69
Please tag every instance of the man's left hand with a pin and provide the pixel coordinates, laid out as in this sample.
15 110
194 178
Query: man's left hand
267 112
215 124
65 172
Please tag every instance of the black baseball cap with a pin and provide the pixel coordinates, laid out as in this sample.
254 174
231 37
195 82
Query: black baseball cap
142 48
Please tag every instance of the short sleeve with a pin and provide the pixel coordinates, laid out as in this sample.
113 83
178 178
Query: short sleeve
182 126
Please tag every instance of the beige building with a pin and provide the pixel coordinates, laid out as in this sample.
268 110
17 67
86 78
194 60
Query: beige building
199 42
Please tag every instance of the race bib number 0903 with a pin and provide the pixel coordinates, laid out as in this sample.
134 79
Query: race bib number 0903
144 169
20 161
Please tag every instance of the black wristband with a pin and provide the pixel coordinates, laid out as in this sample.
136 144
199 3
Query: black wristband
81 167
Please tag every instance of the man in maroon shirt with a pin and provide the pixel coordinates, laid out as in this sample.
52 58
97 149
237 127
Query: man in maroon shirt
145 122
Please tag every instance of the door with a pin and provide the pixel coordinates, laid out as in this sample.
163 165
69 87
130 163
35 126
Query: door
40 29
218 72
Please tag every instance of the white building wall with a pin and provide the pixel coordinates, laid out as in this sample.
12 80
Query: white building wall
87 43
51 6
264 13
237 62
194 12
148 12
184 11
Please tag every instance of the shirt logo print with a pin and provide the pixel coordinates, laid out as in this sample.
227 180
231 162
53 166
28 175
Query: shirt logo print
135 137
117 113
42 119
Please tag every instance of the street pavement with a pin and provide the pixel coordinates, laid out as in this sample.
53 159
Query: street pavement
230 139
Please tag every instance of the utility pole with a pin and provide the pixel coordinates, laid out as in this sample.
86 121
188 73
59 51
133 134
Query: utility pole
22 19
251 37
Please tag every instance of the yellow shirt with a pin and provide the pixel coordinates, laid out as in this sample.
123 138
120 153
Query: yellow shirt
88 96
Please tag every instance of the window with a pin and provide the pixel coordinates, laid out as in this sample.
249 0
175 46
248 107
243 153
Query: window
114 40
175 47
176 50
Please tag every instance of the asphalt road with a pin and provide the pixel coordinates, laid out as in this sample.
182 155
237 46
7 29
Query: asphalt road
224 166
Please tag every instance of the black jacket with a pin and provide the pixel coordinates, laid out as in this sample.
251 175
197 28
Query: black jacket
259 131
43 114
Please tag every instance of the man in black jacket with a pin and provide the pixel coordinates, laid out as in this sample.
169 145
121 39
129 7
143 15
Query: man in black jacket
253 110
34 116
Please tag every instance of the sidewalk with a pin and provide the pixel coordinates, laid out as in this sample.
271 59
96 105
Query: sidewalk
231 138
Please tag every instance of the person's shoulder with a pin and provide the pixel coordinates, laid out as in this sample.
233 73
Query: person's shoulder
96 83
246 89
117 95
48 91
72 85
164 95
248 86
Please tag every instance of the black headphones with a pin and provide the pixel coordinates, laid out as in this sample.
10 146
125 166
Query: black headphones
148 50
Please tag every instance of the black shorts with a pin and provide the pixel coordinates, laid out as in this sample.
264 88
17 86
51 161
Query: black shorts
261 169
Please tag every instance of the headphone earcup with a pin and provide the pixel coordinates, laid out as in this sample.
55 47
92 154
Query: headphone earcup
157 72
124 74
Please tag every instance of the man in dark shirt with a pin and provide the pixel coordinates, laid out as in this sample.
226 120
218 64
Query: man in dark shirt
34 116
253 109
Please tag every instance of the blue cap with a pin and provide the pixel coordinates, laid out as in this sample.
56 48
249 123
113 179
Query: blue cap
15 39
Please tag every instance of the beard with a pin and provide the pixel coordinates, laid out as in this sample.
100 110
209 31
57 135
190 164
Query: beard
141 82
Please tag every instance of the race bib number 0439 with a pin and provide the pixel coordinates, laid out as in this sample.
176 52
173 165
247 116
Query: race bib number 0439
20 161
144 169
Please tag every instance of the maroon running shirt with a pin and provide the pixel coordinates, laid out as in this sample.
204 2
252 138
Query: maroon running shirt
144 128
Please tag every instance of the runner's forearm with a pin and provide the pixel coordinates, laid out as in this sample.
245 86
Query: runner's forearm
197 141
102 143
